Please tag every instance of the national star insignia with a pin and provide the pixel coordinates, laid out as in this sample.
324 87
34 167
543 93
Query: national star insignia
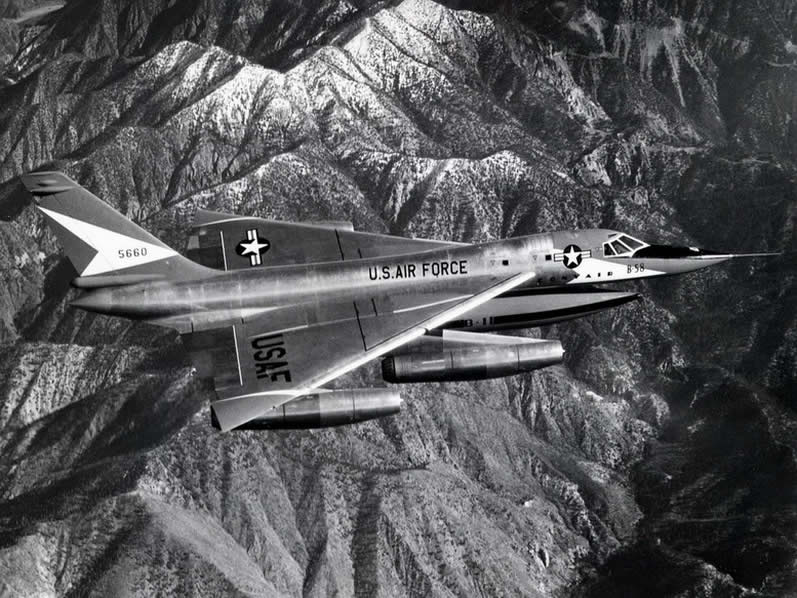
572 256
253 246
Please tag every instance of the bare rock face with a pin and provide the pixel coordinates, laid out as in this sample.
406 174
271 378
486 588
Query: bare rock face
455 120
9 33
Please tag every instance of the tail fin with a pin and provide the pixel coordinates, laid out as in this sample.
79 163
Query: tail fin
105 248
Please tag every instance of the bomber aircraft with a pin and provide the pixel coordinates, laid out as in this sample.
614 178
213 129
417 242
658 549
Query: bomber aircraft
274 311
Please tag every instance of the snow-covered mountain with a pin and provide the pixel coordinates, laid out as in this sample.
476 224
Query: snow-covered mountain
658 460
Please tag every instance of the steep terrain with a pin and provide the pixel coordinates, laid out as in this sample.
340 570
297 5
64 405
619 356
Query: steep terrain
659 458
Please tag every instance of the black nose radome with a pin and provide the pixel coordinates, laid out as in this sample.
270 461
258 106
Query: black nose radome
670 252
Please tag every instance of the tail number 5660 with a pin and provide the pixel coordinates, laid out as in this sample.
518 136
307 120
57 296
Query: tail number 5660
128 253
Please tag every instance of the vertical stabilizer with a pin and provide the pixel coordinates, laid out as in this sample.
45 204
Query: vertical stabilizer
98 240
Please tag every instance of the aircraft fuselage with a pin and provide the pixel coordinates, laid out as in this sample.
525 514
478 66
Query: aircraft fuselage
557 260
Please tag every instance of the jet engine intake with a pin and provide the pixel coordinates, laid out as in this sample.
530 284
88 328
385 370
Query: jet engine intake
326 408
472 363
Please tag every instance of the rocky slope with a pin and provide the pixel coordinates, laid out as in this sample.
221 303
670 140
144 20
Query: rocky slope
665 441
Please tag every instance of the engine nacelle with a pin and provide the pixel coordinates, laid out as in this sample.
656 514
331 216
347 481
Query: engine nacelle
472 363
326 408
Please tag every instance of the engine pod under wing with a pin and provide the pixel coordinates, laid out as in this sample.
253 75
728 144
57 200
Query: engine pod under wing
472 362
326 408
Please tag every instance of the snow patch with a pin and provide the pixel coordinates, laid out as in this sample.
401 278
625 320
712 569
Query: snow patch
594 396
359 43
652 41
589 24
20 261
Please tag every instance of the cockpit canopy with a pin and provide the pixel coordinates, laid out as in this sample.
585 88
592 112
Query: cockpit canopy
621 244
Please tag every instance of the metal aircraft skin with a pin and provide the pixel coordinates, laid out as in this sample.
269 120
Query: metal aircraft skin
274 311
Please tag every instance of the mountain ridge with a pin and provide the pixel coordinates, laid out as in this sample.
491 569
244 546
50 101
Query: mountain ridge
414 119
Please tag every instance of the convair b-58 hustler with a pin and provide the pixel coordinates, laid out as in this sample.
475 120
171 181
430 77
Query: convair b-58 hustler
275 311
